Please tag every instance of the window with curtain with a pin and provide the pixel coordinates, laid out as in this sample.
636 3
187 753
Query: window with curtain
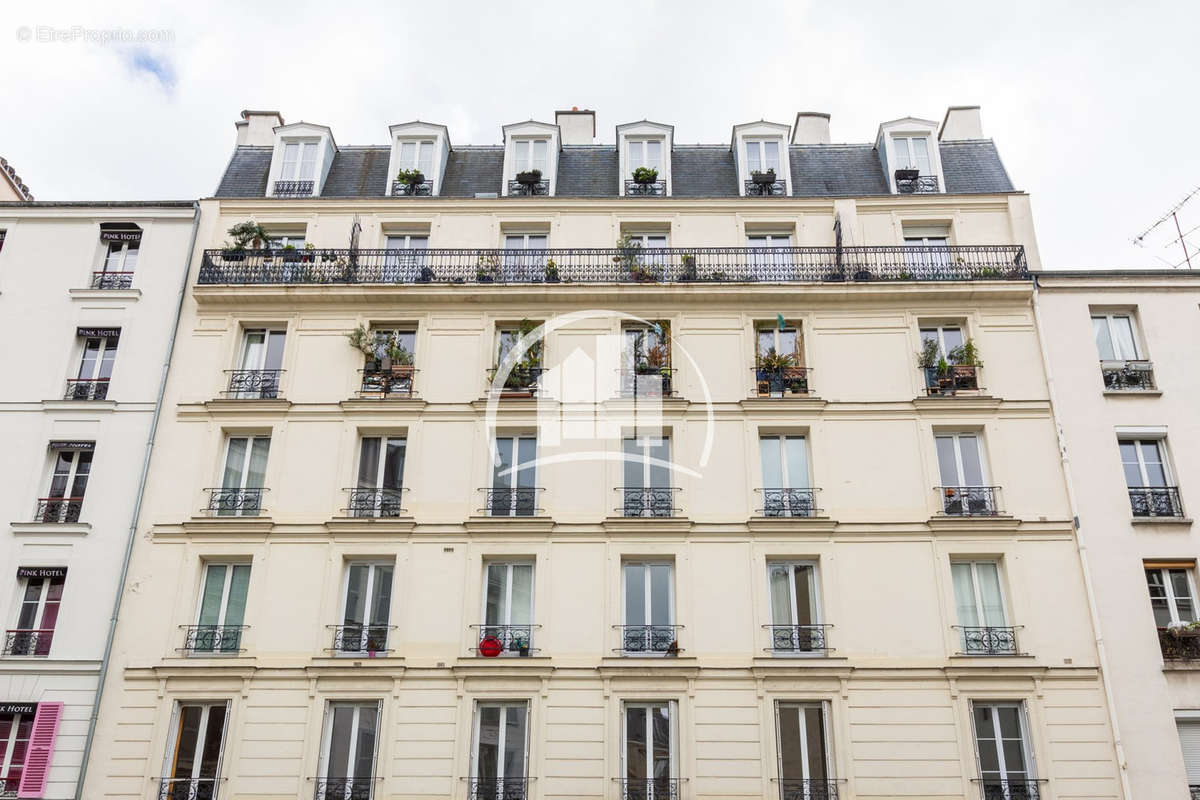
197 745
349 743
367 608
785 475
795 614
649 608
417 155
380 485
1115 338
804 761
762 155
222 610
530 154
244 475
498 760
508 605
912 152
1172 595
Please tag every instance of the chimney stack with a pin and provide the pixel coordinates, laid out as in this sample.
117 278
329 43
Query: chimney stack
257 127
812 127
575 126
961 122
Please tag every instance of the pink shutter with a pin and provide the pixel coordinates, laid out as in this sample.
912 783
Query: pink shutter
41 748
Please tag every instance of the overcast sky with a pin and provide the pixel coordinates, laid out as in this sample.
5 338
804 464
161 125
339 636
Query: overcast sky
1092 105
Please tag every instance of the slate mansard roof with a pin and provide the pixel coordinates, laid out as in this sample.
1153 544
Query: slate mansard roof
970 166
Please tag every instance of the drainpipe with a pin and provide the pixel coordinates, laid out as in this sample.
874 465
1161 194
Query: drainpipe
137 508
1081 548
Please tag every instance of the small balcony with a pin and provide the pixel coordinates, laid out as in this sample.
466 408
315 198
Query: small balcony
9 786
1179 644
58 509
511 502
781 382
807 789
1011 789
638 189
539 188
292 189
948 382
909 181
497 788
1128 376
112 280
199 640
253 384
394 383
504 640
776 187
989 640
378 503
1194 790
234 502
187 789
789 502
792 640
655 501
344 788
517 382
86 389
650 789
649 640
27 642
968 501
368 640
1155 501
647 381
419 189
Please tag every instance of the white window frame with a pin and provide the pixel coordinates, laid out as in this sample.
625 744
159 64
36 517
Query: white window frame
39 615
121 251
278 241
296 171
673 743
384 440
759 144
250 438
108 344
368 600
644 447
1171 597
910 153
201 733
352 750
529 145
517 468
641 159
785 478
1030 770
974 564
1110 322
773 328
957 436
1160 442
800 705
10 739
227 587
943 351
418 146
647 608
504 706
72 474
260 362
508 587
791 564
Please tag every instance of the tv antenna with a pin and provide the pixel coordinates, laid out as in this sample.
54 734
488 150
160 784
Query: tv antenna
1173 215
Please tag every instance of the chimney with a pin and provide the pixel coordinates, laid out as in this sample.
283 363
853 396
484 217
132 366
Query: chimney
576 127
961 122
812 127
257 127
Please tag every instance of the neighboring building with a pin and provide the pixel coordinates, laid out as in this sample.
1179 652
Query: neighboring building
656 560
11 185
76 281
1124 348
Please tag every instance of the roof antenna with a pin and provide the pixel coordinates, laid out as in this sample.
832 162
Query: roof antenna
1173 215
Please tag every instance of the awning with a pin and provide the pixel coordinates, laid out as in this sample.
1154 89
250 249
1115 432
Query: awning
120 232
72 445
41 572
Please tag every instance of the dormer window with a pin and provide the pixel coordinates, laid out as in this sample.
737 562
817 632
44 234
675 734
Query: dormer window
297 175
761 154
909 155
418 160
530 161
414 175
644 155
300 160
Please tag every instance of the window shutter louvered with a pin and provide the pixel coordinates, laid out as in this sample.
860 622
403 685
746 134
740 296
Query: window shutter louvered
1189 741
41 748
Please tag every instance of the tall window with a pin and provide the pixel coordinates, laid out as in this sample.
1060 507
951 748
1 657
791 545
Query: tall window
763 156
406 256
513 492
120 261
222 611
795 609
15 730
927 247
784 341
912 152
348 747
508 606
649 608
649 754
530 154
524 259
805 762
1002 742
259 365
1189 743
979 601
1148 477
240 493
299 161
1115 339
367 609
68 482
500 756
417 155
391 370
770 256
380 488
960 465
1172 595
647 490
197 746
645 153
95 368
37 615
785 472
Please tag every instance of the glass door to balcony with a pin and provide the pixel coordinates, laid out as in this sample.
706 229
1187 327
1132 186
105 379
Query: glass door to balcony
194 760
380 477
805 766
960 466
257 375
508 607
498 762
513 477
785 473
68 482
36 617
406 256
240 493
649 753
347 767
95 368
649 609
770 258
1115 340
222 609
647 490
14 750
979 602
1002 747
795 611
524 259
367 610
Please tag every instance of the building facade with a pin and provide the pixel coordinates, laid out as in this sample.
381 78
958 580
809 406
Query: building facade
1122 349
557 469
88 299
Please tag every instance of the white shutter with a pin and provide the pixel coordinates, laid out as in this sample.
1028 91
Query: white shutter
1189 741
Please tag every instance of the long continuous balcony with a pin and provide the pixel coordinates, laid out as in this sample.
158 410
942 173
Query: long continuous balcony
616 265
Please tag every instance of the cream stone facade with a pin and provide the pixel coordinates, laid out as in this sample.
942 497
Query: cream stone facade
886 626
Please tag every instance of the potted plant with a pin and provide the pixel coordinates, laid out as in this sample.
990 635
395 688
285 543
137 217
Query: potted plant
362 339
763 178
427 276
552 271
689 267
412 178
529 177
907 174
290 254
248 234
772 369
308 252
488 269
521 645
645 175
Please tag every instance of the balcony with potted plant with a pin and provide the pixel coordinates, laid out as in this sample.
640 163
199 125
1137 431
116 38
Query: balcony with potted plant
529 183
411 183
388 371
948 374
645 183
765 184
779 375
911 181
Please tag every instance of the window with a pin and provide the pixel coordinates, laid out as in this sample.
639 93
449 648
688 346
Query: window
368 605
418 156
979 601
926 247
522 375
805 762
391 370
1172 595
1002 742
524 259
95 367
513 492
222 610
785 475
647 469
912 152
762 156
649 609
498 760
240 493
37 614
508 606
299 161
1189 743
15 730
948 337
770 257
380 486
348 744
644 153
1115 338
1148 477
784 341
282 240
646 361
120 261
530 154
197 746
68 482
649 752
259 365
405 257
795 611
961 469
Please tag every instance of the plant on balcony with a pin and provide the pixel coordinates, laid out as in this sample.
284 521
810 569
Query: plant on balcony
645 175
1184 630
363 340
965 355
927 356
410 177
290 253
907 174
763 178
529 177
308 252
246 234
487 270
397 358
630 257
689 267
523 374
552 271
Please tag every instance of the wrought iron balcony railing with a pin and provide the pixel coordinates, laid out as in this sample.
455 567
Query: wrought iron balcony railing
1010 789
344 788
1155 501
497 640
58 509
781 382
922 184
789 502
386 384
807 789
187 789
208 639
1127 376
369 639
536 189
292 189
402 189
958 377
368 502
9 785
647 381
652 189
989 640
501 501
1194 791
86 389
497 788
775 188
650 789
253 384
234 502
654 501
112 280
798 639
517 382
649 639
1178 644
968 501
616 265
27 642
